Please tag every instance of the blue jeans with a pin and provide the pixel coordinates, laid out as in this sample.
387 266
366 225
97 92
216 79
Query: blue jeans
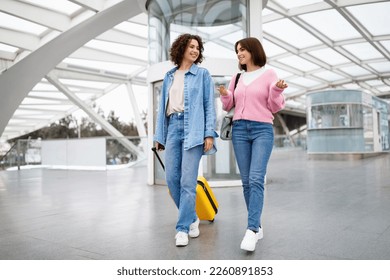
253 142
181 171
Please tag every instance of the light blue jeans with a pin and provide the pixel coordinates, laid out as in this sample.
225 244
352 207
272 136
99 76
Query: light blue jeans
253 142
181 171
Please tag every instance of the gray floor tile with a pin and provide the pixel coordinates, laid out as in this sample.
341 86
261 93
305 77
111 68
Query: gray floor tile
314 209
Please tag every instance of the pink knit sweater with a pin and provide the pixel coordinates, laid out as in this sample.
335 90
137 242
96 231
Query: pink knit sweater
256 101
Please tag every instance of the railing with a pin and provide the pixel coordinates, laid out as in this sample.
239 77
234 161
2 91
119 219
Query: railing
22 152
4 158
284 142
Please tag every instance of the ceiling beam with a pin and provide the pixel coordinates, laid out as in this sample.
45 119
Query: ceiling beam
37 64
44 17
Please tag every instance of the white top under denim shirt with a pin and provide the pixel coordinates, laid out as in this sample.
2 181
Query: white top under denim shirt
199 110
176 93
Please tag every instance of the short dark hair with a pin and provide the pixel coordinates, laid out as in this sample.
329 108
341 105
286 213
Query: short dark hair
255 48
179 46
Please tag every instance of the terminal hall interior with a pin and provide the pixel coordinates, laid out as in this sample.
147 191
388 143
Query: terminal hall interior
327 187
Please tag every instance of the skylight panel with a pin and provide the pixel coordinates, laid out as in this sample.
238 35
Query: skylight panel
125 50
331 24
133 28
329 56
290 33
233 36
17 122
141 19
329 76
299 63
386 44
49 94
381 67
305 82
355 70
85 84
62 6
28 113
363 51
282 74
271 49
7 48
44 87
18 24
113 67
34 101
289 91
86 96
352 86
374 83
374 17
383 88
266 12
51 107
295 3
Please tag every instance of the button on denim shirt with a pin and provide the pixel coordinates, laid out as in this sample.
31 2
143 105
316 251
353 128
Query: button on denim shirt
199 110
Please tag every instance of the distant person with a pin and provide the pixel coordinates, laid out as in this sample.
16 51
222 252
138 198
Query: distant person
258 95
185 128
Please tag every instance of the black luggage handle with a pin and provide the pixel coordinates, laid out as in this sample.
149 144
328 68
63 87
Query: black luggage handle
158 157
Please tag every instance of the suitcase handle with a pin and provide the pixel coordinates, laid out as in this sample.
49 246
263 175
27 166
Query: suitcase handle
158 157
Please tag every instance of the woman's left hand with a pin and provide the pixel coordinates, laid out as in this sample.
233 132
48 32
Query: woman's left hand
281 84
208 143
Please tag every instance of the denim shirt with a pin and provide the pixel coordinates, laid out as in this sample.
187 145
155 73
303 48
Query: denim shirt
199 110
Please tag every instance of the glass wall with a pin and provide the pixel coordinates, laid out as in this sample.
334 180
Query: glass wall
348 121
335 115
219 23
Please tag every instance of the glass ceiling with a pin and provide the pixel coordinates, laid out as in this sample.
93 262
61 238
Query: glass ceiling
313 45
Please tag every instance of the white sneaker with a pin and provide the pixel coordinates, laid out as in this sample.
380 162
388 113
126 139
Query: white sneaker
194 229
181 239
260 234
250 240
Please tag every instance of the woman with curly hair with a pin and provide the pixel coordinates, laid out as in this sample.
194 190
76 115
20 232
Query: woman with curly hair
185 128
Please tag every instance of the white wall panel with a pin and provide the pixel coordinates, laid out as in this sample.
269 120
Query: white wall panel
74 153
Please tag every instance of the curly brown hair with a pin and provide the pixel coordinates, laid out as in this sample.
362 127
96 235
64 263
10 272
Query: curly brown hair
255 48
179 46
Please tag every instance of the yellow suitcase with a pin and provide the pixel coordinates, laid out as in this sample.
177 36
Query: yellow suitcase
206 204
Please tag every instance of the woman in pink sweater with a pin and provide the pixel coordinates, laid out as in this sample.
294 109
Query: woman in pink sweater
258 95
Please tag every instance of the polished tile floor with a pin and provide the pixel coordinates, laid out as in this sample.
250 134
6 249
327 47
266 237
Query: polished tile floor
314 209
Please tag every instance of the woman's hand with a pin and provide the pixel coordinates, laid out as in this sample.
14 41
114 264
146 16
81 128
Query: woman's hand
222 90
159 147
281 84
208 143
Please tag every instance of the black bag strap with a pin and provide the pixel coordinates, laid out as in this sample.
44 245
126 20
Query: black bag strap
237 78
235 85
158 157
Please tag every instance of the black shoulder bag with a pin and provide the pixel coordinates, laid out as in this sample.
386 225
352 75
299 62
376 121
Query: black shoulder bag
227 121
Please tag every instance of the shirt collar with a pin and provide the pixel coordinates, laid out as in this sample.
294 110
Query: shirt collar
193 69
